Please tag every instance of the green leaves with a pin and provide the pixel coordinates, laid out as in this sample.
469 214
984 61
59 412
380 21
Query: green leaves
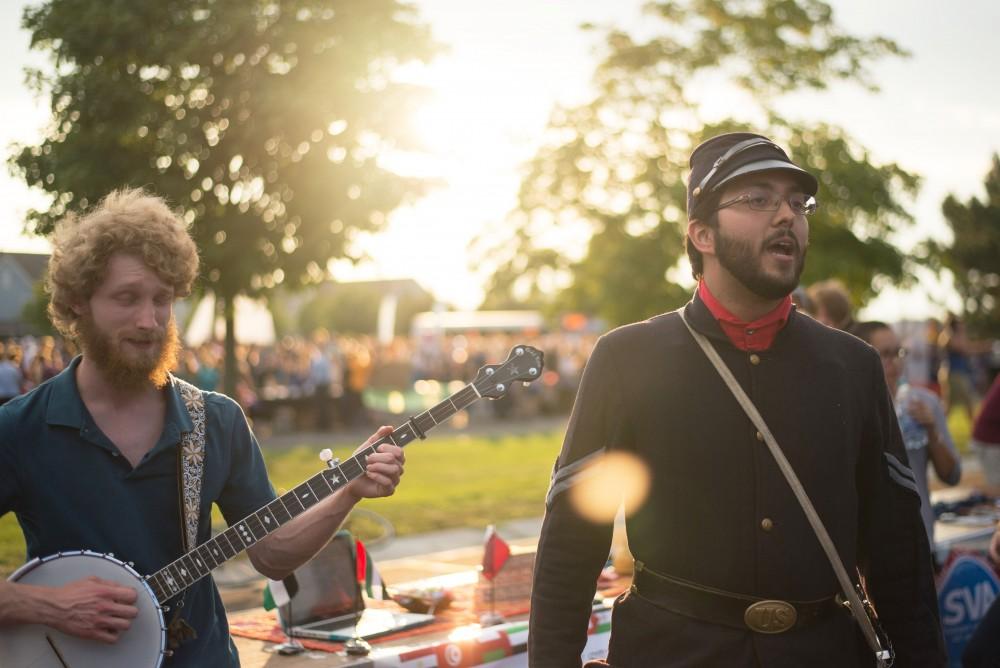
614 170
973 255
262 121
852 234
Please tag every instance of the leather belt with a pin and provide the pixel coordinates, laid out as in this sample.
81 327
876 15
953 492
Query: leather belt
726 608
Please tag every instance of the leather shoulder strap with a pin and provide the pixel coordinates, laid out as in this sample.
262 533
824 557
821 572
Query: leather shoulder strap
850 595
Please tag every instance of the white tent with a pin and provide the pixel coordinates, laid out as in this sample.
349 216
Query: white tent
254 323
437 322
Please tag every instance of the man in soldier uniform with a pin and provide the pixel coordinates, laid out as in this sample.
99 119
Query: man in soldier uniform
720 529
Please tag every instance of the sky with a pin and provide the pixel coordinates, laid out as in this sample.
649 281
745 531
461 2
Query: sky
508 64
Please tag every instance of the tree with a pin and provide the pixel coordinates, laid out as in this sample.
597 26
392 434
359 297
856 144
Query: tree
265 121
35 311
353 308
973 255
613 170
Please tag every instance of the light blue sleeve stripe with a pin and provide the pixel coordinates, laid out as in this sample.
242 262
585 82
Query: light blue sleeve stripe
900 473
569 475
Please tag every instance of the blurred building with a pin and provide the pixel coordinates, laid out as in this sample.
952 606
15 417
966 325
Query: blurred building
19 273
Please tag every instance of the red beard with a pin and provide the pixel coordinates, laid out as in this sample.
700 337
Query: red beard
130 371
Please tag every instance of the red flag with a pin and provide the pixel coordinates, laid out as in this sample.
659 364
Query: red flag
495 554
360 560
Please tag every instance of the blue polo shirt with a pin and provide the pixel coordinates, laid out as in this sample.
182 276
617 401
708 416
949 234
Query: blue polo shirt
72 489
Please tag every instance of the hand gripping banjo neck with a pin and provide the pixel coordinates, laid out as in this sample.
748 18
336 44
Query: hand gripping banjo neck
523 364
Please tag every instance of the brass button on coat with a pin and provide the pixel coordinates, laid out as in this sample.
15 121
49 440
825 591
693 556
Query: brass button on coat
755 359
760 436
767 524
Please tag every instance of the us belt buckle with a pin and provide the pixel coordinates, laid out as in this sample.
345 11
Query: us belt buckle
770 616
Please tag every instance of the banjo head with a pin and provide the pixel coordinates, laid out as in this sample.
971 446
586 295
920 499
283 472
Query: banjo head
36 646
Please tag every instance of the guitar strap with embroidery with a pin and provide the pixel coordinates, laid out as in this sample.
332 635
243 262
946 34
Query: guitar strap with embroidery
191 469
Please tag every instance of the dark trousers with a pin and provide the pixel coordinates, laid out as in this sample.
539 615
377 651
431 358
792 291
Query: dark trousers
983 650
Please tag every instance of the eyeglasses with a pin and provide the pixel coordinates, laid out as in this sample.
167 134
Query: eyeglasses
760 199
891 354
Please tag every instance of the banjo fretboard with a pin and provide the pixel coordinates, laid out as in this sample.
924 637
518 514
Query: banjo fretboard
199 562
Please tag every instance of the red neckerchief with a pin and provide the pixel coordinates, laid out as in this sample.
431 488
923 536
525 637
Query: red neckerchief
748 336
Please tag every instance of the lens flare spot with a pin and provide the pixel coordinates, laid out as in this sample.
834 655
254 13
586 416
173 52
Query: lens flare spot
615 479
397 402
461 420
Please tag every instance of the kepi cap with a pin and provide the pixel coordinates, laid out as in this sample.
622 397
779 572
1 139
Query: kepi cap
722 158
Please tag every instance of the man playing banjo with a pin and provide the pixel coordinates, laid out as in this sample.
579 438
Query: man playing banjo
90 460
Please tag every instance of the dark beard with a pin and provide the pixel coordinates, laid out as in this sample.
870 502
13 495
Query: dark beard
739 259
121 371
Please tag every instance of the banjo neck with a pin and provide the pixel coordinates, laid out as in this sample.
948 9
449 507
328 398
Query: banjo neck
178 575
492 381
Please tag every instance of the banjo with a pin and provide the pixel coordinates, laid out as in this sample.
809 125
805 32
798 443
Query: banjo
144 644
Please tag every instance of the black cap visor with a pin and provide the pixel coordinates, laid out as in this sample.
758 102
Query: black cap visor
807 180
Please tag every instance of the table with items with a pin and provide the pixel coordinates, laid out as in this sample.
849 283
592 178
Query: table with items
459 636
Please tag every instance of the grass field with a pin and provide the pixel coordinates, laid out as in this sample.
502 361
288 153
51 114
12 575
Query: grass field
455 481
458 481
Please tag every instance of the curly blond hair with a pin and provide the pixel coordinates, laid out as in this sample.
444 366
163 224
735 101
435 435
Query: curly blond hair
127 221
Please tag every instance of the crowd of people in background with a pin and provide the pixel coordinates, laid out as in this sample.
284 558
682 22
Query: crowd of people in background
932 368
29 361
326 381
937 355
